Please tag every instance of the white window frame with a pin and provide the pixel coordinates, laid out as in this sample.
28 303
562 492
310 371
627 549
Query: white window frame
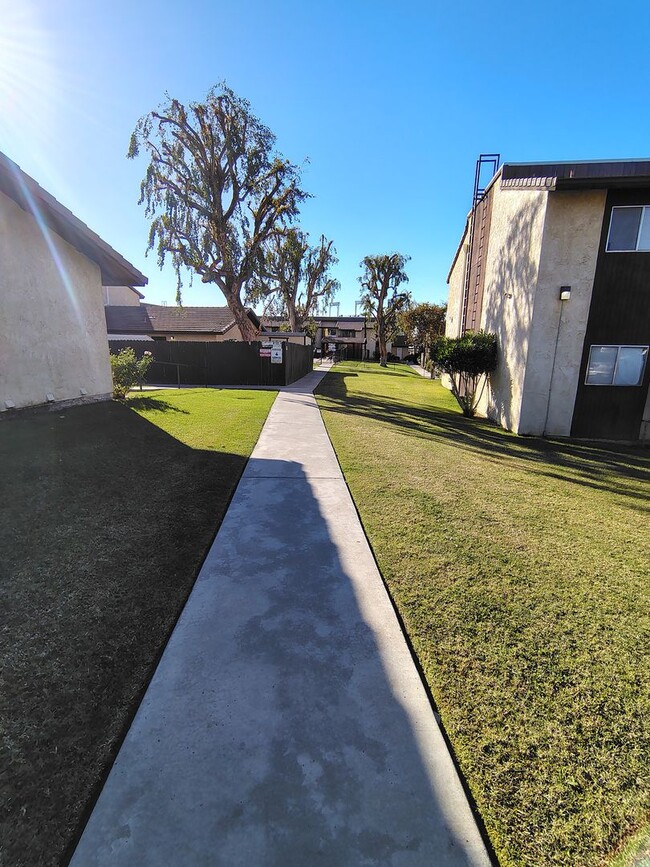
618 347
645 212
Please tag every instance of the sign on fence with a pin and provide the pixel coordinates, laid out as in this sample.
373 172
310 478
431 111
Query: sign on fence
276 352
201 363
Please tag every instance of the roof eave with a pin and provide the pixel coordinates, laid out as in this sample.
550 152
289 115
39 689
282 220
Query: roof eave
34 200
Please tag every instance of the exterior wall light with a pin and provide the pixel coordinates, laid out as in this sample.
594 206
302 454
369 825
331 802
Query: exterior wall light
565 293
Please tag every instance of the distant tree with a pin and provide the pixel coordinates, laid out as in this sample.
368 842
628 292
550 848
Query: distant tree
467 360
382 276
422 324
294 277
215 189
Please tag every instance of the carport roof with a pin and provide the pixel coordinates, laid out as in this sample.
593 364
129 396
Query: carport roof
327 339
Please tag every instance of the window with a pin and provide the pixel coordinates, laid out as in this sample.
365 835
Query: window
616 365
629 229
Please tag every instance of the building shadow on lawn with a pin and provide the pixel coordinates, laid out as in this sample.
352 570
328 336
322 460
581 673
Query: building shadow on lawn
104 522
602 466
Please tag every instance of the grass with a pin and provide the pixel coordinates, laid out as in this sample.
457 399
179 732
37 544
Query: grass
106 513
520 569
635 852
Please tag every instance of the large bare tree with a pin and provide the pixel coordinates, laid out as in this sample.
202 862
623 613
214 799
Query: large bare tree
216 191
382 276
293 277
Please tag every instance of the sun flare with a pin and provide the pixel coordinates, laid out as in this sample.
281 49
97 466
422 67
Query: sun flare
28 77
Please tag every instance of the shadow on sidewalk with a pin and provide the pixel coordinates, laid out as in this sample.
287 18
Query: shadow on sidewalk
274 732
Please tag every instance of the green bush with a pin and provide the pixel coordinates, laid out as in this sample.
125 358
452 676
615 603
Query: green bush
467 360
128 371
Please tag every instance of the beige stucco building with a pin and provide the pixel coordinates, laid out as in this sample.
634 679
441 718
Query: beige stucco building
535 266
53 344
122 296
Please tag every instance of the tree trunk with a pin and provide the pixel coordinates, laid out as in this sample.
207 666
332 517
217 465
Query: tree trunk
248 331
293 318
382 347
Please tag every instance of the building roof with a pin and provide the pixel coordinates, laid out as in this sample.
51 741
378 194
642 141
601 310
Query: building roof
582 174
274 322
45 209
573 175
148 318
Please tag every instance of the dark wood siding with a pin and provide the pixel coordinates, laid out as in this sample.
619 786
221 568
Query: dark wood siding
474 298
619 314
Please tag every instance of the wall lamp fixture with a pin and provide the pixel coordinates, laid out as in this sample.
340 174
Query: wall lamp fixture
565 293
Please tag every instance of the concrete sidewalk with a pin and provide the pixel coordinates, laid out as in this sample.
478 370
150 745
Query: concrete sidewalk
286 724
420 370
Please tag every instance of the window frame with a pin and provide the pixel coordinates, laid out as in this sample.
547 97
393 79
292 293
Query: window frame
618 347
645 209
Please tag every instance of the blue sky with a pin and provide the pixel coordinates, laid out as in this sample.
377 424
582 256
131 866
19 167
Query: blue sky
390 102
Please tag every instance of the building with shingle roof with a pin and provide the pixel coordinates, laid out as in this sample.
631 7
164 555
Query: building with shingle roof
158 322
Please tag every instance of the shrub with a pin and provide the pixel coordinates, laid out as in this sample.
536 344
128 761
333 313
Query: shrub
128 371
467 360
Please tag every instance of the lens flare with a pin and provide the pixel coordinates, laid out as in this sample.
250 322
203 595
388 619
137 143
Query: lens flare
28 75
30 91
50 243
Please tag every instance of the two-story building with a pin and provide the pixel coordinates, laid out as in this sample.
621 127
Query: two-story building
555 259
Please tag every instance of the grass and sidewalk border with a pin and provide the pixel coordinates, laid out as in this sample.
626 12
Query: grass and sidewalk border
402 426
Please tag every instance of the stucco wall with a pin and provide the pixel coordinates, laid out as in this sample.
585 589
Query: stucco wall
456 289
511 274
569 252
121 296
52 328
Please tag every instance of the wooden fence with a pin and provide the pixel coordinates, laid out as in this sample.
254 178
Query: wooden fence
178 362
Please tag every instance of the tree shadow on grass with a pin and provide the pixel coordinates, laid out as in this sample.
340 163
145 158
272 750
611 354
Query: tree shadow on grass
600 466
153 404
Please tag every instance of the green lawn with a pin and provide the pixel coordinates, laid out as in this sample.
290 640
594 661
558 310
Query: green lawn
520 567
106 513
